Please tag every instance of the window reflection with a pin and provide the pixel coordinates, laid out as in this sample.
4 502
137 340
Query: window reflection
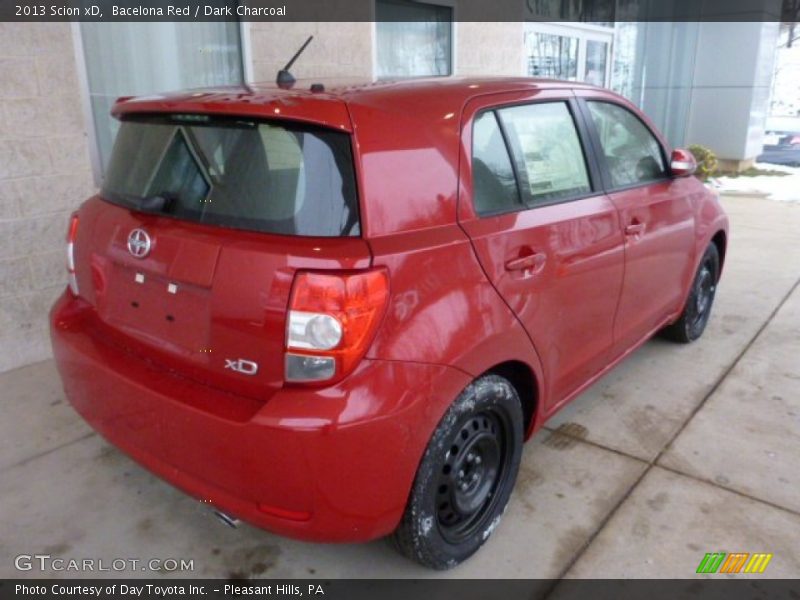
596 58
413 39
552 56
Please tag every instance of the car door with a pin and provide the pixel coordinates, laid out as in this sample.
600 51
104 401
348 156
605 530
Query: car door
656 216
544 232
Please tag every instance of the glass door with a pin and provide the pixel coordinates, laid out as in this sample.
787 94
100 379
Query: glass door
596 64
572 52
553 56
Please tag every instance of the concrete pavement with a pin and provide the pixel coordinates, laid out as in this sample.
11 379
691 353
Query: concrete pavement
680 451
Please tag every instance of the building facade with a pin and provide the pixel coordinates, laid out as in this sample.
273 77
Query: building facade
704 83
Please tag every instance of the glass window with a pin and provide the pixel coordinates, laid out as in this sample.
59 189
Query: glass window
138 58
552 56
547 151
568 52
494 187
413 39
632 152
596 55
279 178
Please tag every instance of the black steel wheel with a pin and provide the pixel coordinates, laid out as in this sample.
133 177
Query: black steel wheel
473 467
694 318
466 476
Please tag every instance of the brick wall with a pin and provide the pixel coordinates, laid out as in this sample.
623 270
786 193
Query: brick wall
338 49
44 174
490 49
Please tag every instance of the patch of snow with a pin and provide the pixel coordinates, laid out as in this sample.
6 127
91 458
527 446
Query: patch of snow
425 525
491 527
781 188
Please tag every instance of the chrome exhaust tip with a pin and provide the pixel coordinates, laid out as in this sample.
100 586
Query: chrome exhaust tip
227 519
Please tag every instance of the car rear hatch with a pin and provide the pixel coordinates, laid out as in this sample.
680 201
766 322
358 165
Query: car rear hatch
189 252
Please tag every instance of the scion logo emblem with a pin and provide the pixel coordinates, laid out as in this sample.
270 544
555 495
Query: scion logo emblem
139 243
245 367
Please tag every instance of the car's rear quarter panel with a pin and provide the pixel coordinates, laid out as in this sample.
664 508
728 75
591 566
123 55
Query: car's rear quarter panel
442 309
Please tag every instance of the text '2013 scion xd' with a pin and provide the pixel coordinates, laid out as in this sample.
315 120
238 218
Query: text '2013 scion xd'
337 311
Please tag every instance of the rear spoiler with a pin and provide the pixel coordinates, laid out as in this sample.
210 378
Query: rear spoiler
313 108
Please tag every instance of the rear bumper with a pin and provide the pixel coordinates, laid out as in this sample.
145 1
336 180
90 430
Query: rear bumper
329 464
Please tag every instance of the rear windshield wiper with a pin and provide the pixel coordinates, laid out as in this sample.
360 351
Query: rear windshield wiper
164 203
161 203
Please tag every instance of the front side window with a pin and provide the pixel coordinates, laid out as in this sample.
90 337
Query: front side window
494 187
413 39
632 152
274 177
547 151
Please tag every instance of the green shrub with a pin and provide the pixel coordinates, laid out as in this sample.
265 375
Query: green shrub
706 161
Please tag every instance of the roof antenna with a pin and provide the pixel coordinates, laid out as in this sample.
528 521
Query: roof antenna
285 79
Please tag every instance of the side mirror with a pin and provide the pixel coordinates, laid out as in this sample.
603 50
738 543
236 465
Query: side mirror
682 163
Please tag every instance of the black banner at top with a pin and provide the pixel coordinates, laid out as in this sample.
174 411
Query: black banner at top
589 11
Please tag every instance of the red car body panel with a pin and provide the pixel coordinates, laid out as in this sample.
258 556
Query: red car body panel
657 265
567 303
144 367
319 456
235 288
660 253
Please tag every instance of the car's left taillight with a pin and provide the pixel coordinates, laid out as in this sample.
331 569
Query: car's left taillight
331 322
72 233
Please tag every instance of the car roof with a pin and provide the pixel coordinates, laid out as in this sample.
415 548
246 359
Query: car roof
456 87
326 105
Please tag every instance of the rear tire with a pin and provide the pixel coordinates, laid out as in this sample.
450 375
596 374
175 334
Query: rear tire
466 476
694 318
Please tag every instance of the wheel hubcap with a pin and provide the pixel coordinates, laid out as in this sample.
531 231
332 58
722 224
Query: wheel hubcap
469 479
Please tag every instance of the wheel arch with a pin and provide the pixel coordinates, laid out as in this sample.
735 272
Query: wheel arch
720 240
525 383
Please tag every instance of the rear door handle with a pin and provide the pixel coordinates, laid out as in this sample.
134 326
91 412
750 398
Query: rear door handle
532 262
634 229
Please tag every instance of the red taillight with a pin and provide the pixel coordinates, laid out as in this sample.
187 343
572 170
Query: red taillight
72 234
331 322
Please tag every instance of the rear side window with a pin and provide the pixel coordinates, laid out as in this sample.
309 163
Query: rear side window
263 176
632 152
546 147
493 183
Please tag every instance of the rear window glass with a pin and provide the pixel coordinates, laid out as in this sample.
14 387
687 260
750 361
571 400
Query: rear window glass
264 176
494 185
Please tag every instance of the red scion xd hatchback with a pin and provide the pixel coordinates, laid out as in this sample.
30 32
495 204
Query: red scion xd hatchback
337 312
